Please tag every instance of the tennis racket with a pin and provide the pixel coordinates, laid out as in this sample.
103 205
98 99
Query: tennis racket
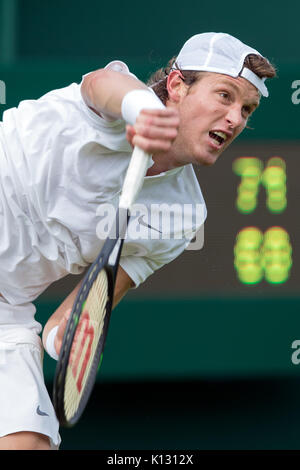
86 331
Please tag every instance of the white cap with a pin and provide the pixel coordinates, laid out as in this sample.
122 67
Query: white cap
220 53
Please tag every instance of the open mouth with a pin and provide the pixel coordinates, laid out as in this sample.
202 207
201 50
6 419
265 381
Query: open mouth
218 136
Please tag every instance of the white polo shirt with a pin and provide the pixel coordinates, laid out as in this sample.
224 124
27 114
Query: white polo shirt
60 166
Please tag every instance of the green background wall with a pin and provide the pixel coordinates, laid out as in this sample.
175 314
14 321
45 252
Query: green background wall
46 44
193 359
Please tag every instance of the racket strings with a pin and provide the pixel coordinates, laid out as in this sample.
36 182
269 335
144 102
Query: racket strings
87 335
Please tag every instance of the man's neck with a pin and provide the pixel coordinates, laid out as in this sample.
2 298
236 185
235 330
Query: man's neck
162 163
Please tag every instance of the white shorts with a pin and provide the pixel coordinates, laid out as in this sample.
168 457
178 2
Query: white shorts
25 404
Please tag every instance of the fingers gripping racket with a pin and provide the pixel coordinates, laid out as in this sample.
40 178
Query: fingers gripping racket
86 331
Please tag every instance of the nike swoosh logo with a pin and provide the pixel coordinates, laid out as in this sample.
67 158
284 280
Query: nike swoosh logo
41 413
142 222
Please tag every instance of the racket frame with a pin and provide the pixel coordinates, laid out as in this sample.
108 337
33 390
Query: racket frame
108 259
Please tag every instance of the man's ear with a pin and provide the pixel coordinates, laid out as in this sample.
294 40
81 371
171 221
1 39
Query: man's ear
176 87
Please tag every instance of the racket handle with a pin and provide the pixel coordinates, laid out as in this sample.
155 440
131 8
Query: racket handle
134 178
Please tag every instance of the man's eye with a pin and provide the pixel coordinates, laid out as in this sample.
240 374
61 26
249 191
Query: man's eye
224 95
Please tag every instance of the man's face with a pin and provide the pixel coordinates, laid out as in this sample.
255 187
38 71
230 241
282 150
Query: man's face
213 112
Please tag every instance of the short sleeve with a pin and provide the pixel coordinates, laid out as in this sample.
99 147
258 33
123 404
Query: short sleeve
117 66
139 268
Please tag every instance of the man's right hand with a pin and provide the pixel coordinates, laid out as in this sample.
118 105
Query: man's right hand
154 130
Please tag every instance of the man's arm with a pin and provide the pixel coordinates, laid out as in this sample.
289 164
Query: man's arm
61 315
154 130
104 90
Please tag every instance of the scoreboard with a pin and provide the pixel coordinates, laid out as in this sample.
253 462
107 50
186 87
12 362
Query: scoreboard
252 188
259 255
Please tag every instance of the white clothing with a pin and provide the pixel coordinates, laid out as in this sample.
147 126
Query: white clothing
59 162
24 399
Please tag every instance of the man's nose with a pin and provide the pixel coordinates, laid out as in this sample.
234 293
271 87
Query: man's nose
234 117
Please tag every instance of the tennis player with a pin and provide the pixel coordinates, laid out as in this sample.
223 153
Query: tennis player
65 155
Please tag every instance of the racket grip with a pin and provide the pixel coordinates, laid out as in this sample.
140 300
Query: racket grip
134 178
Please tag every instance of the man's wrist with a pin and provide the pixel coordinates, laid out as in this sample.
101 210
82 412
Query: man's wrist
49 346
136 100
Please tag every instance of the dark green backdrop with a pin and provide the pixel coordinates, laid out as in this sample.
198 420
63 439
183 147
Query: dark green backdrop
46 44
193 359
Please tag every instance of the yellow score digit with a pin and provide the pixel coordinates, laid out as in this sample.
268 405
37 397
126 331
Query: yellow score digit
259 256
253 174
